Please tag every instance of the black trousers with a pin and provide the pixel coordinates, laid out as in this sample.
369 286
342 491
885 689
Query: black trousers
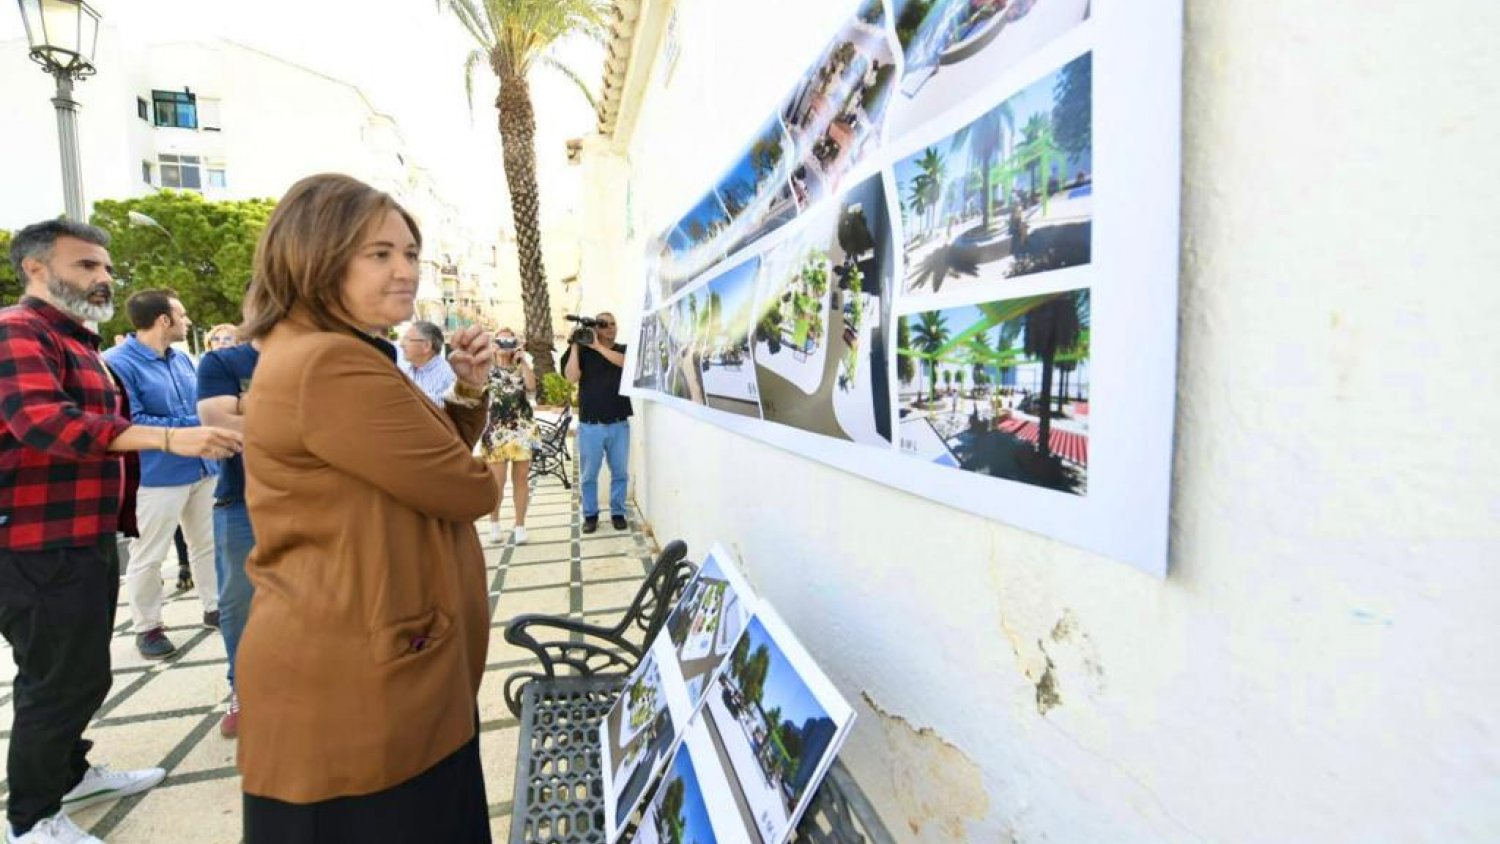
445 803
57 610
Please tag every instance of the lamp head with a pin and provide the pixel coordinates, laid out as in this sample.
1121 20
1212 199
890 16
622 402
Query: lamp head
63 35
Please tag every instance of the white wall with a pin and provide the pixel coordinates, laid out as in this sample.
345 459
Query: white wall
1321 663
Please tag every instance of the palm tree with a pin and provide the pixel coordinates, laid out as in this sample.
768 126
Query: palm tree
512 37
979 355
934 170
905 370
715 314
916 198
1038 151
929 335
1053 327
1005 344
985 138
671 810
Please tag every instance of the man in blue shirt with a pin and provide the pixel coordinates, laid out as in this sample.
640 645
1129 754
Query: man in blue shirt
163 390
223 379
422 360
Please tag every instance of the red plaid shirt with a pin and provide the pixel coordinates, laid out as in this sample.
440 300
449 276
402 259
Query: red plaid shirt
60 486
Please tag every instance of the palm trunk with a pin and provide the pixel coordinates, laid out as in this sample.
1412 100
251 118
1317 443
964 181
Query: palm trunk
518 142
989 188
1044 427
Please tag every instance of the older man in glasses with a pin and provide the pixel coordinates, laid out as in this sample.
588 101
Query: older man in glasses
604 420
422 360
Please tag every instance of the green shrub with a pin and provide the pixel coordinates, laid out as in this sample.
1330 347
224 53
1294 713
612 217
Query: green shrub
558 391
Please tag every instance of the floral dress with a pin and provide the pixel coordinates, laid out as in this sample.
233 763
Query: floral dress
512 432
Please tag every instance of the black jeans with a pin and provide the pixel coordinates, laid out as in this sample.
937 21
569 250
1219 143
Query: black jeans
57 610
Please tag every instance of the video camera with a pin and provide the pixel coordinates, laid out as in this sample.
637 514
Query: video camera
583 335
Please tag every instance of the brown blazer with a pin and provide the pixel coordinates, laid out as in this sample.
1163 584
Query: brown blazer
362 658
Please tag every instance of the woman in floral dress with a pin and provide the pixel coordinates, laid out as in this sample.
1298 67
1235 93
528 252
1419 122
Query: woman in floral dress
512 432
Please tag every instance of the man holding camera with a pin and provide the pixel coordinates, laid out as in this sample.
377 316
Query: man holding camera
594 361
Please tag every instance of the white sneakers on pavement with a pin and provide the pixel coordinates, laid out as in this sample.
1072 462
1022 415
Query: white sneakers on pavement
58 829
103 783
518 535
99 784
495 533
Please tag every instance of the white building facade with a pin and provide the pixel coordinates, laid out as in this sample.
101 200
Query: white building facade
230 122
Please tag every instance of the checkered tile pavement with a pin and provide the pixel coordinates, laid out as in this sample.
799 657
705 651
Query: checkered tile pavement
167 713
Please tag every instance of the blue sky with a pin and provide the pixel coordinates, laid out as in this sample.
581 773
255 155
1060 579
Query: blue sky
708 211
743 169
736 289
784 688
960 320
695 814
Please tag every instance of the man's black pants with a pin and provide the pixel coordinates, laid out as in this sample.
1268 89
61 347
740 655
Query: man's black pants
57 610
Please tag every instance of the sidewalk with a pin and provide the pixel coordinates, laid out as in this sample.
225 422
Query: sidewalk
167 713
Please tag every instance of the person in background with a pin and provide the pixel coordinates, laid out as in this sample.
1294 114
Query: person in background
223 379
163 388
360 666
62 477
422 360
222 336
603 420
512 432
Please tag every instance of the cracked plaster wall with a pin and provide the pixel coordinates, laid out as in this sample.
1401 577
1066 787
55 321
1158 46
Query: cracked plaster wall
1320 664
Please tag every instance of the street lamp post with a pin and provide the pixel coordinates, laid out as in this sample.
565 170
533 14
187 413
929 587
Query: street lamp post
63 35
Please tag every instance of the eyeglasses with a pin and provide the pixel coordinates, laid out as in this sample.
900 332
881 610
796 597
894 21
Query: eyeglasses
603 324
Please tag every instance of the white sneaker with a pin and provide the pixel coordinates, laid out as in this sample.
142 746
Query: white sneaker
58 829
495 535
518 535
101 784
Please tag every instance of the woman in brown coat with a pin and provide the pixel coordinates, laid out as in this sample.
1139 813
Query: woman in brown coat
362 658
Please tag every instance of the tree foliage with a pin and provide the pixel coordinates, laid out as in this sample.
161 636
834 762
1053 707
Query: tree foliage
671 816
10 285
1058 325
905 369
1073 106
929 335
202 249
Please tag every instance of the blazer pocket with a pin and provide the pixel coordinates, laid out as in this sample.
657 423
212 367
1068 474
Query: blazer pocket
410 636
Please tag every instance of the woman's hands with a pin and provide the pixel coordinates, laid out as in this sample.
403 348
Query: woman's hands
472 357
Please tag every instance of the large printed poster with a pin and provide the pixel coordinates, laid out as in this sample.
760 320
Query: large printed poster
902 271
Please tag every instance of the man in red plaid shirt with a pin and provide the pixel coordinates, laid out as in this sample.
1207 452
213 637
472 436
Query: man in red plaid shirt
61 482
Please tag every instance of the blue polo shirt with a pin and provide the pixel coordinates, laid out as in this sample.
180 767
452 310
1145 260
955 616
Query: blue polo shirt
226 372
163 391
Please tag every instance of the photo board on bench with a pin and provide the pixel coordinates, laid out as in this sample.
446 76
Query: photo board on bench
736 712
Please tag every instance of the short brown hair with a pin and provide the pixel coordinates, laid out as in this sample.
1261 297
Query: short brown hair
145 307
305 251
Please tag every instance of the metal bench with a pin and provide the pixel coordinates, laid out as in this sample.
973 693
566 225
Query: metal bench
551 457
559 790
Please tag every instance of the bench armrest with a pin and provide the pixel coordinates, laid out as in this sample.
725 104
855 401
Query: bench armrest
602 651
587 650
